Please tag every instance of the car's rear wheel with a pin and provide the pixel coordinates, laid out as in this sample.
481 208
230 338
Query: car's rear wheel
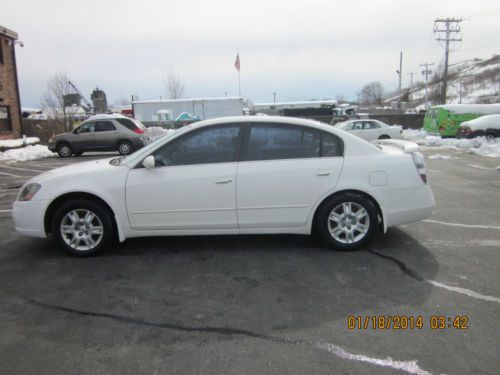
347 221
82 227
64 150
125 147
384 136
490 136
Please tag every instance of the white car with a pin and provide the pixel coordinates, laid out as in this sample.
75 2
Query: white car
488 126
371 130
234 175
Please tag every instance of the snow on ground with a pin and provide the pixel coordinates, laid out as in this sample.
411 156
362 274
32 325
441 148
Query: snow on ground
26 153
479 145
155 132
13 143
440 157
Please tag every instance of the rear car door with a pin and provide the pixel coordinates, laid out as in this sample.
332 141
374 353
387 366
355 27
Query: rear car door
283 171
106 135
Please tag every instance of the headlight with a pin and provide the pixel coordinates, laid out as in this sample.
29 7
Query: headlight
28 192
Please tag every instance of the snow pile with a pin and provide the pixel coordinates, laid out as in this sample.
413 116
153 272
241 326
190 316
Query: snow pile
155 132
440 157
26 153
13 143
479 145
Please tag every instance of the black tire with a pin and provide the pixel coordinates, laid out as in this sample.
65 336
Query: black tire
103 219
490 136
125 147
64 150
384 136
325 227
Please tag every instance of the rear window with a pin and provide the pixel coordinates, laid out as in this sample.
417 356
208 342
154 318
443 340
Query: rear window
129 124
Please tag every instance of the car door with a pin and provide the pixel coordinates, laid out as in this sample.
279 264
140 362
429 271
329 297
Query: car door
371 130
283 171
106 135
84 137
357 129
192 187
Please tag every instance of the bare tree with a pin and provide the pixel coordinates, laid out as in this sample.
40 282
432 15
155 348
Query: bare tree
174 85
372 93
55 104
340 98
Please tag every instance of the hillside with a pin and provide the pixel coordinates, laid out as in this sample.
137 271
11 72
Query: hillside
476 80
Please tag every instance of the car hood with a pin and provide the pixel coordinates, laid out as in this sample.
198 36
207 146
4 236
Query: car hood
62 135
78 169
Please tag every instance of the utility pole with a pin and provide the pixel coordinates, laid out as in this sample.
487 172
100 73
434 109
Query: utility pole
411 85
448 27
400 73
426 72
274 97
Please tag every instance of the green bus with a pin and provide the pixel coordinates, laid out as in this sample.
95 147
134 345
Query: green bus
444 120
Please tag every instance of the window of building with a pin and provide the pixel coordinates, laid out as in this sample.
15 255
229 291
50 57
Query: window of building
5 120
1 51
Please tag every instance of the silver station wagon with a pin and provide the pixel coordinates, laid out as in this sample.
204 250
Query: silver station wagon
100 133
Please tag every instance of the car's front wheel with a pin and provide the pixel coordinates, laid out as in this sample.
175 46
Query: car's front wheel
82 227
64 150
125 147
384 136
347 221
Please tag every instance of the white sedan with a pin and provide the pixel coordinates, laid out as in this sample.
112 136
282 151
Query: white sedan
371 130
234 175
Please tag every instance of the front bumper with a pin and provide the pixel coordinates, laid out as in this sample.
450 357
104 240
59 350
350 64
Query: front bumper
52 147
29 217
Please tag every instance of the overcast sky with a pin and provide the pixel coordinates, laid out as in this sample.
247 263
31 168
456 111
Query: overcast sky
301 50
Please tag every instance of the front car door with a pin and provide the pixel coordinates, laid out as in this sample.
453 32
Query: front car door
283 171
83 138
192 187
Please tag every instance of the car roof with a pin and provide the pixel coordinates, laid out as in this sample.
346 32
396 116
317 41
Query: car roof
104 116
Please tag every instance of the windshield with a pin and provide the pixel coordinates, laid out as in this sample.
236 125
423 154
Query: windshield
149 147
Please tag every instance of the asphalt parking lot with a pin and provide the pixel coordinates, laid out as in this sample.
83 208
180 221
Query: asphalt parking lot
261 304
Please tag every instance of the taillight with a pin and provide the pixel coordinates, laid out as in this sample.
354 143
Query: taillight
139 131
419 161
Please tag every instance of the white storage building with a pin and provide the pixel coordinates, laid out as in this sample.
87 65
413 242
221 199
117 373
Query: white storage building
203 108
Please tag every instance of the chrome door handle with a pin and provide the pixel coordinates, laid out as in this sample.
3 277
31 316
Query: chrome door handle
324 173
224 181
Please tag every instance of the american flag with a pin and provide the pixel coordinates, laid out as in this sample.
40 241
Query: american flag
237 62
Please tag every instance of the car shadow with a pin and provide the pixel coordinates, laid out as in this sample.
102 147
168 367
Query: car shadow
261 282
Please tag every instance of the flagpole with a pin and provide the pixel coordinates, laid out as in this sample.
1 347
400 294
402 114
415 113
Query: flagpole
239 83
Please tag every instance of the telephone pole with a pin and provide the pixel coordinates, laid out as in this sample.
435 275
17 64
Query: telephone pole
426 72
445 28
400 74
411 85
274 97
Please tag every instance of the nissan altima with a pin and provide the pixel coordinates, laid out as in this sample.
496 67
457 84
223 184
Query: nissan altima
233 175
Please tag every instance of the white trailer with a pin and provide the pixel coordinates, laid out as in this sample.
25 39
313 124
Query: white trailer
203 108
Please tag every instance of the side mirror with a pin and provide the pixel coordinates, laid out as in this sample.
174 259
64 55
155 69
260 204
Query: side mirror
149 162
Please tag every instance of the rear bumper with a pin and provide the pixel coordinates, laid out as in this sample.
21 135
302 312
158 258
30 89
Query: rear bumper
408 205
29 218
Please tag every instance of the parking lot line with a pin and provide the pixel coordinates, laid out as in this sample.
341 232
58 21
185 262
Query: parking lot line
461 225
10 175
22 169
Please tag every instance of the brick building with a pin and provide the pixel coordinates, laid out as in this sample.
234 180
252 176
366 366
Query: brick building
10 104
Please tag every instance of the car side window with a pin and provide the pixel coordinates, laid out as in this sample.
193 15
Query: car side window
216 144
331 145
129 124
348 126
358 125
374 125
104 126
86 128
272 142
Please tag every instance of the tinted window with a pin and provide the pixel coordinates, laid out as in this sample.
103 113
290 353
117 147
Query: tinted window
331 145
86 128
211 145
267 142
104 126
129 124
